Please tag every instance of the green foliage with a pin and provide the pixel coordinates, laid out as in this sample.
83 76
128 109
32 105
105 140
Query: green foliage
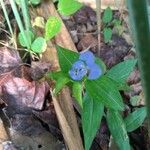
28 34
121 71
91 118
77 92
108 23
105 91
66 58
68 7
135 119
35 2
39 45
118 129
52 27
107 16
100 93
60 83
107 32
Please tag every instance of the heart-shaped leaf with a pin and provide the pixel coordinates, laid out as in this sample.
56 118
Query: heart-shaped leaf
52 27
68 7
105 91
66 58
118 129
91 118
135 119
39 45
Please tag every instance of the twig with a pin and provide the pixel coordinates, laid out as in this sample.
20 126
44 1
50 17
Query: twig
98 13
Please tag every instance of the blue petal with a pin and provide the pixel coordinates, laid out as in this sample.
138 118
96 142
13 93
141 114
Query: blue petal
94 71
78 70
87 57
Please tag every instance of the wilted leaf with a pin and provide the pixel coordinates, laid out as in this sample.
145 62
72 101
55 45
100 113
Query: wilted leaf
39 22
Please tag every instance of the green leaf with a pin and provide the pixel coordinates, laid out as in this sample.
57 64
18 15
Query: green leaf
101 64
105 91
39 45
52 27
55 75
121 71
107 16
107 32
135 100
135 119
60 83
66 58
29 35
77 92
35 2
118 129
91 118
68 7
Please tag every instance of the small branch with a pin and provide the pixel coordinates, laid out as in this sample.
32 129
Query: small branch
98 13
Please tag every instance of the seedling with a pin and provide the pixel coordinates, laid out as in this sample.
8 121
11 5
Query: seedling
96 88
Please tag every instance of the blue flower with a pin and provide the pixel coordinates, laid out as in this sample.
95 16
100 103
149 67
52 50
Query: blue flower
85 66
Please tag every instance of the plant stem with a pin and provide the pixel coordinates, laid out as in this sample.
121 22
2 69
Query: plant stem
19 22
98 13
138 12
6 17
26 16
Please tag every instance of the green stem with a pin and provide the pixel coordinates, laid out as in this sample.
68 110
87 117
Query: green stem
138 13
26 16
6 17
19 22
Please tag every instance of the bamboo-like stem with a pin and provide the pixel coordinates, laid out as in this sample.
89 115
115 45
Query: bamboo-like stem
19 22
26 16
138 12
98 14
6 17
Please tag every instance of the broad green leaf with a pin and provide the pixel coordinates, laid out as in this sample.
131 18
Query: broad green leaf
68 7
29 35
52 27
118 129
107 32
107 16
60 83
39 45
66 58
35 2
121 71
55 75
105 91
101 64
77 92
135 119
91 118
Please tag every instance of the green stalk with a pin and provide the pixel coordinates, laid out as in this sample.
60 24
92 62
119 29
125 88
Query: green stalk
26 16
140 24
19 22
6 17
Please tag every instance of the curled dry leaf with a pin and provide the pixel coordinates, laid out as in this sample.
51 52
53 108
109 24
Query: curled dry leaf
19 93
9 59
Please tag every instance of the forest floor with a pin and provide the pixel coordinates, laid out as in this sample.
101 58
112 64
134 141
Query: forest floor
28 118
